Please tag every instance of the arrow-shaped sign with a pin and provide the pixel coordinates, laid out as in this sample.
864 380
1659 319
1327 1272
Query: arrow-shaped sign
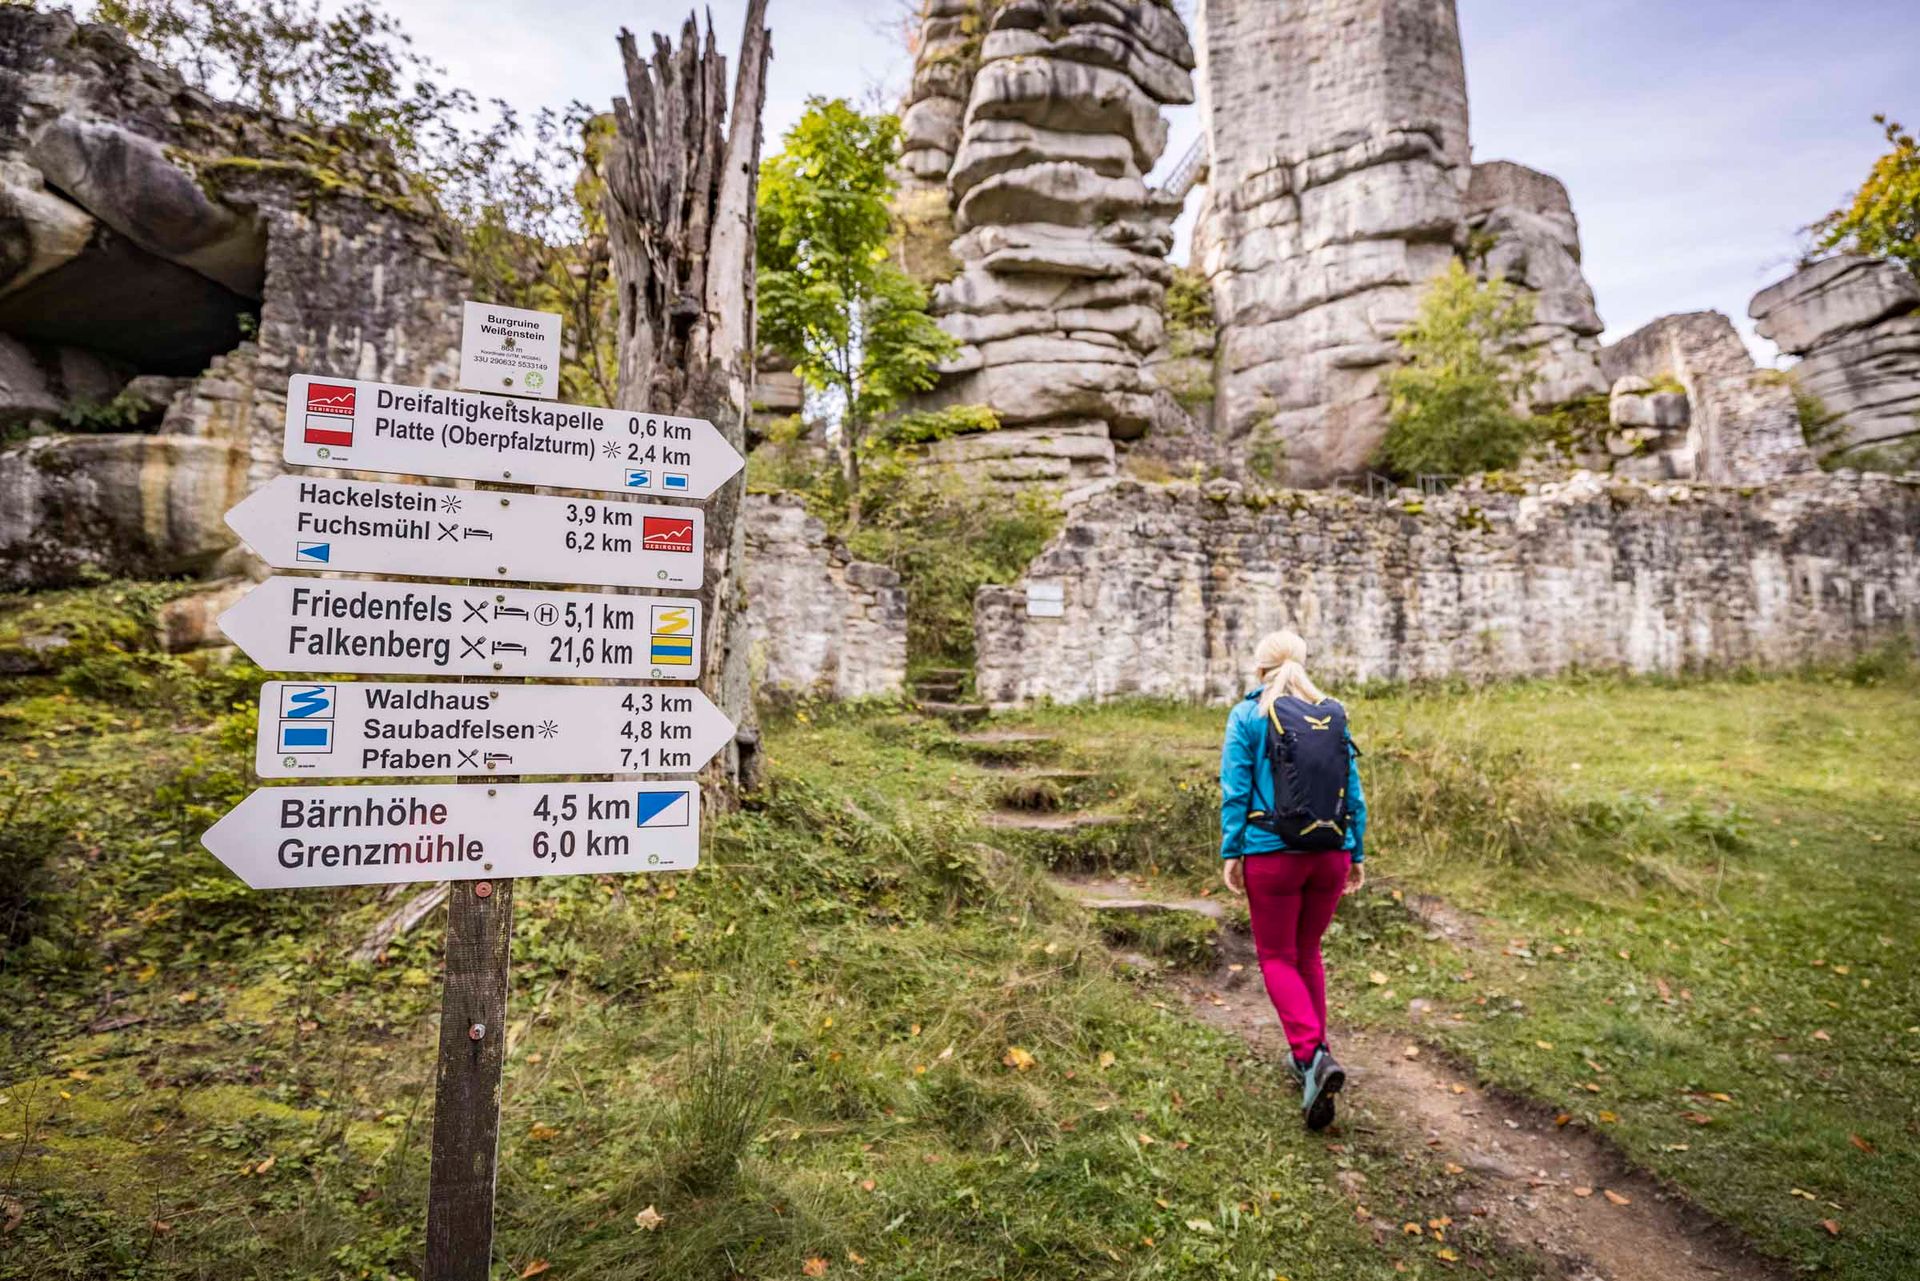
353 729
434 629
369 527
290 837
463 435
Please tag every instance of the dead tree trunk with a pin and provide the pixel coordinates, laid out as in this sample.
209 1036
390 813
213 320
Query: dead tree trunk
681 186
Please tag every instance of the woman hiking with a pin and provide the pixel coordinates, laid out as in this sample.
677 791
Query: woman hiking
1292 821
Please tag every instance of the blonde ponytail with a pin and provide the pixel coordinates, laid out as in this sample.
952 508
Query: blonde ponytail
1280 664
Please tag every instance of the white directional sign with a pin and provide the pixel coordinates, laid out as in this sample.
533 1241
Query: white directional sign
353 729
431 629
370 527
415 431
290 837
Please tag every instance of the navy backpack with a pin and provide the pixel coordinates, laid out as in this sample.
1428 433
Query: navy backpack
1310 758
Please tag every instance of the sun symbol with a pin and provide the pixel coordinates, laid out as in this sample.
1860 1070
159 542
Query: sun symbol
610 449
449 504
548 728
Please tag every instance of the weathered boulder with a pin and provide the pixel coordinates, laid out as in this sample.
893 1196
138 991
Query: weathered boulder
128 182
1855 324
1062 453
1521 229
1163 590
1649 438
1337 132
1743 425
823 623
947 53
139 506
166 261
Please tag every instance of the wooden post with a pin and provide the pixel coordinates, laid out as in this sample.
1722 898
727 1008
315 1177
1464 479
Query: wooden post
466 1095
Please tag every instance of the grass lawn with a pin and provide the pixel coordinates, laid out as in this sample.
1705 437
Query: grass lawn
1696 937
866 1037
860 1041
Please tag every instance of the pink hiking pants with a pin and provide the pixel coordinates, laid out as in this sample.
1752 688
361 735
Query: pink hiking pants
1291 898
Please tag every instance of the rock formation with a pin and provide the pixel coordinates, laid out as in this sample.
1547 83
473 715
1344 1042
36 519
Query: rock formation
1166 588
1521 229
946 53
822 622
1742 424
1855 324
1338 132
166 261
1062 244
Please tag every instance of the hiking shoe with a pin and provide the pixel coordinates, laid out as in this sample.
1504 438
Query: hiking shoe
1323 1079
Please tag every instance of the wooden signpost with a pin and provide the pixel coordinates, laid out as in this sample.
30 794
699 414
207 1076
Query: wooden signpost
484 833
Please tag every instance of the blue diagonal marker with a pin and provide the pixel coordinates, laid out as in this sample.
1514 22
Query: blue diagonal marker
661 809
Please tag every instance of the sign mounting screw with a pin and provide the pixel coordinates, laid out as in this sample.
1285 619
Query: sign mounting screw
477 1031
483 890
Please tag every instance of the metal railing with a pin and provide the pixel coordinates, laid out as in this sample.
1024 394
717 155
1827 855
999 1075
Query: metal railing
1191 170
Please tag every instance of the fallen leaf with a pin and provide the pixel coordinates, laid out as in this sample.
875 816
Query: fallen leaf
1833 1228
1199 1225
1017 1059
1583 1192
265 1165
1563 1118
1452 1167
1545 1045
855 1258
12 1210
1106 1059
542 1132
1802 1193
1146 1140
815 1267
1412 1229
1411 1052
649 1219
1377 978
1448 1255
534 1269
1457 1088
1862 1144
159 1227
1616 1198
1821 1035
1660 985
1718 1097
1606 1117
868 1185
1698 1118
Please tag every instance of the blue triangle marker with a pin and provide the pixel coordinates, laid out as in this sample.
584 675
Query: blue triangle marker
322 552
649 806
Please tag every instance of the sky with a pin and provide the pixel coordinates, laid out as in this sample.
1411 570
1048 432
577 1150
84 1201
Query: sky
1697 137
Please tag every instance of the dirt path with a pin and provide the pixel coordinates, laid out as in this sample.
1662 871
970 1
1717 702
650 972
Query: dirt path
1558 1192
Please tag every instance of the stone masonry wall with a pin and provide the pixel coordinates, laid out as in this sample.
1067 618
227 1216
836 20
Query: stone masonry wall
1167 588
823 623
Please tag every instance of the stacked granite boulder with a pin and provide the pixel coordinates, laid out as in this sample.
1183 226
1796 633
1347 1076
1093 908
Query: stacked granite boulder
1855 324
1521 229
1062 245
945 55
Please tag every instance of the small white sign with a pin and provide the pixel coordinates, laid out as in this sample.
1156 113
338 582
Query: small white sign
1046 600
432 629
459 435
293 837
510 350
359 729
370 527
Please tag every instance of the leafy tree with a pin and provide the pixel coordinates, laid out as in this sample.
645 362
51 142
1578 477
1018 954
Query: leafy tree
1453 407
1883 218
854 325
524 195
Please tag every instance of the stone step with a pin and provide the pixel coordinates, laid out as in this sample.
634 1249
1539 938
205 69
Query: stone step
1006 748
1120 896
1053 824
959 674
955 713
937 691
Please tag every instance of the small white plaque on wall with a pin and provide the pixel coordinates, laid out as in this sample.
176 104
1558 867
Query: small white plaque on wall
1046 600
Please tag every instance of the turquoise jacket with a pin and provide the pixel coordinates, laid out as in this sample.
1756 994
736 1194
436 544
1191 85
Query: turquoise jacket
1247 783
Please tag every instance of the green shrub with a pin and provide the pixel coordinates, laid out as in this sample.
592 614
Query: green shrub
1453 407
